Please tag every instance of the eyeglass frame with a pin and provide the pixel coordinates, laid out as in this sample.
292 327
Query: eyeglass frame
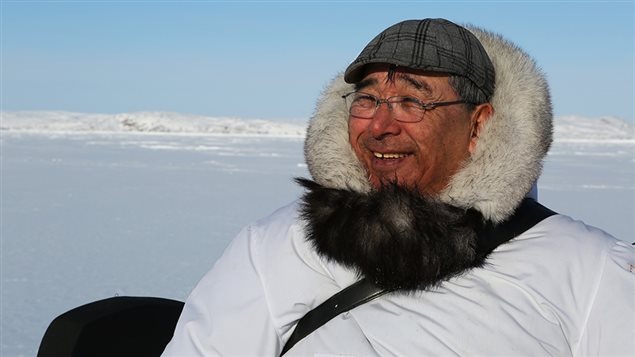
390 100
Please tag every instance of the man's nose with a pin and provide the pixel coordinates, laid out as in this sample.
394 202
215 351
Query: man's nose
383 122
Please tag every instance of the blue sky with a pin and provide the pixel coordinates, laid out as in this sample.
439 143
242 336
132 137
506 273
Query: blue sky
270 60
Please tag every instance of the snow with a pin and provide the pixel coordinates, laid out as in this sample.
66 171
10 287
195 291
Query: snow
575 128
145 122
142 204
567 128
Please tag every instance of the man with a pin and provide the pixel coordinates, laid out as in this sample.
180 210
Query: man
432 133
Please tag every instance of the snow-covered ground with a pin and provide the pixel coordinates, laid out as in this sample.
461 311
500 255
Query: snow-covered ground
143 203
142 122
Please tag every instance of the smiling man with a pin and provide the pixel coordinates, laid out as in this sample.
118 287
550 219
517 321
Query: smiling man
419 234
422 135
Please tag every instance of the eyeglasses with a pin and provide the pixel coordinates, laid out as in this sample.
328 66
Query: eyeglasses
405 109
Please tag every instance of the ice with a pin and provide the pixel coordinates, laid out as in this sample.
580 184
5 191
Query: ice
85 217
91 209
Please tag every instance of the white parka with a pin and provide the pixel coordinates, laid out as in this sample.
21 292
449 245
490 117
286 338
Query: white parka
560 288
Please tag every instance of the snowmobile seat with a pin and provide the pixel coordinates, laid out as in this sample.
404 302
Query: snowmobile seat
117 326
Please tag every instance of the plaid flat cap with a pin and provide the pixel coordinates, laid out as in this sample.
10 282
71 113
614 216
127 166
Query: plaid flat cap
435 45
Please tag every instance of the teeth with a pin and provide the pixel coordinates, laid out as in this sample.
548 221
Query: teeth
389 156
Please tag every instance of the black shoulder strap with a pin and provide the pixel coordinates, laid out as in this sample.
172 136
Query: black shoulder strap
528 214
357 294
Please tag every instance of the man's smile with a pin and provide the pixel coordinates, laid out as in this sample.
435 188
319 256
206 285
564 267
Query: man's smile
380 155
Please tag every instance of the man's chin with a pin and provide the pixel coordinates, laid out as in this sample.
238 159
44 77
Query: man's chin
380 183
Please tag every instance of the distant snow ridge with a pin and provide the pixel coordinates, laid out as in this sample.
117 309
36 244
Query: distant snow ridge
576 128
143 122
566 128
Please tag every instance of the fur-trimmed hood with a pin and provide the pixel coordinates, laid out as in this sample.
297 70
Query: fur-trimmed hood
508 157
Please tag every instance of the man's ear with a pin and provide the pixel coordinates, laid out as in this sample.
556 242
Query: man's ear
480 115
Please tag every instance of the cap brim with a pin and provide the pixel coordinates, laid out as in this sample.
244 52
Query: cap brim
354 73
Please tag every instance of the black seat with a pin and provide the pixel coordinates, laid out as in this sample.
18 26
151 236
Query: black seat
118 326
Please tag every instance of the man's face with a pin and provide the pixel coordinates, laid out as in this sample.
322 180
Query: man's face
422 155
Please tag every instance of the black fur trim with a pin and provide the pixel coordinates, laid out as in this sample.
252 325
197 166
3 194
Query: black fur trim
397 238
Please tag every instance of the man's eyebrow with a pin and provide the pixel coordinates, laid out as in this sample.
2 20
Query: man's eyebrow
365 83
421 86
